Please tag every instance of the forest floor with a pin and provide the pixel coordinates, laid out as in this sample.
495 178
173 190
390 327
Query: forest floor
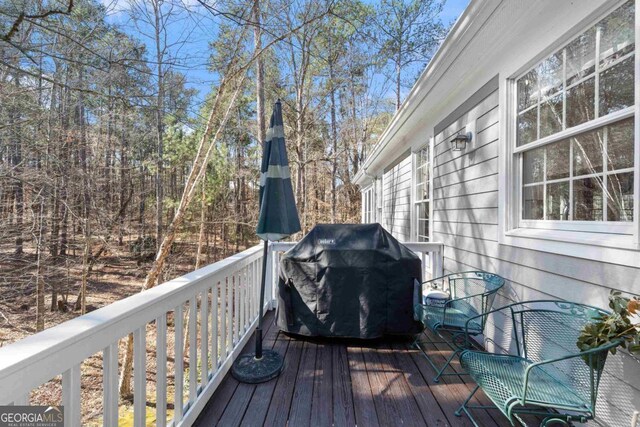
117 274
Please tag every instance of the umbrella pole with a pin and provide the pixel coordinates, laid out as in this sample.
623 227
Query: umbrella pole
261 306
263 365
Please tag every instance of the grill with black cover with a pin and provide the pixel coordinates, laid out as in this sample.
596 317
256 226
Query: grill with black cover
348 280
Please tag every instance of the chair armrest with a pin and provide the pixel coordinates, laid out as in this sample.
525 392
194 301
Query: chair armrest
471 319
538 365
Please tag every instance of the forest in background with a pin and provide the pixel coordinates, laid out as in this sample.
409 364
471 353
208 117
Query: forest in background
118 171
111 160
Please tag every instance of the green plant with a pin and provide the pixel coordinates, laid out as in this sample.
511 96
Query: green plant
617 326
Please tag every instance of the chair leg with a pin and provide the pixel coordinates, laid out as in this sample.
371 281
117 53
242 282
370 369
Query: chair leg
463 408
554 419
447 364
439 369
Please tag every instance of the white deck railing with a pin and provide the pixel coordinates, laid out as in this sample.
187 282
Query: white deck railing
222 305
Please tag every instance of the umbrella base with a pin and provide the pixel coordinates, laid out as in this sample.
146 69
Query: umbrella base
248 369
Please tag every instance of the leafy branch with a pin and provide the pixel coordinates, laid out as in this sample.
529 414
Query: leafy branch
617 326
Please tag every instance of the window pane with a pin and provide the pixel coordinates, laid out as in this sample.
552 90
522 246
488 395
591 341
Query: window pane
422 191
616 87
423 222
558 160
581 56
422 174
423 157
587 199
587 153
580 103
620 197
551 116
558 201
617 34
550 74
533 203
620 145
528 90
533 165
528 126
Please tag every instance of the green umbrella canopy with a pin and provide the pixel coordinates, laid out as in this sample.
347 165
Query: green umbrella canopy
278 214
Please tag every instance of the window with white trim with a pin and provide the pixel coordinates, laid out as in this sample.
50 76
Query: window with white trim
421 196
368 201
575 131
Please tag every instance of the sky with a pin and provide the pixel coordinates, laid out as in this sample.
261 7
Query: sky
198 30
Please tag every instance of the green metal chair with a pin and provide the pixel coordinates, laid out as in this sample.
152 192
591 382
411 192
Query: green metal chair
548 376
472 294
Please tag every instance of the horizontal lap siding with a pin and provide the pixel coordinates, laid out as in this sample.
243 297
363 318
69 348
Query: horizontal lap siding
397 200
465 219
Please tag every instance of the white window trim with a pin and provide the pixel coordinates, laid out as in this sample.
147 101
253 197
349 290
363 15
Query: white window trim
414 186
620 249
368 200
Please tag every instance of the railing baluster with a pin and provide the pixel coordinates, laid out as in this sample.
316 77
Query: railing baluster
204 338
193 350
110 385
256 285
247 297
252 296
230 315
214 327
71 396
139 377
223 318
22 400
178 400
236 309
161 370
243 302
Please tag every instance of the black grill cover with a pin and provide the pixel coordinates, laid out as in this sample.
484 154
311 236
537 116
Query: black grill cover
353 280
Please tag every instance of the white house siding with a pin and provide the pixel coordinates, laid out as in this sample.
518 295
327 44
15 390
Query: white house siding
500 38
396 184
465 219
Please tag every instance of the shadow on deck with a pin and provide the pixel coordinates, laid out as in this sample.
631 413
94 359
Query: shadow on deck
346 383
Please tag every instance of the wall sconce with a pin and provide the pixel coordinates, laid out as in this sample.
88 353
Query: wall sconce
459 142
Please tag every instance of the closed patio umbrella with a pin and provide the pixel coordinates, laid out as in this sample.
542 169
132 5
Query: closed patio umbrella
278 219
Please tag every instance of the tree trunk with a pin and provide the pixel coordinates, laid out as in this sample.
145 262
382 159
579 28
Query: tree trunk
205 147
257 44
40 309
203 209
159 121
334 141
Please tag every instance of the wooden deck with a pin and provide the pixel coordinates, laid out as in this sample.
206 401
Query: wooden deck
346 383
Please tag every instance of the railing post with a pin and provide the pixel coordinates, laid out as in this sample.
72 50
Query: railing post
71 396
439 261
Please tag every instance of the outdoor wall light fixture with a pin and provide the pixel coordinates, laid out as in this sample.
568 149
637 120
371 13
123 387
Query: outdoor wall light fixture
459 142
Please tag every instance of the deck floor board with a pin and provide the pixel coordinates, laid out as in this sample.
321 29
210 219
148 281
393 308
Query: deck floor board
344 383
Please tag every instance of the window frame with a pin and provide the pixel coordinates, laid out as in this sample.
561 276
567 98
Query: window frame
615 228
566 237
368 205
416 202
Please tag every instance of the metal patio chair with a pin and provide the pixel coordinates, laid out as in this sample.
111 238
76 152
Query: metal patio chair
547 376
471 294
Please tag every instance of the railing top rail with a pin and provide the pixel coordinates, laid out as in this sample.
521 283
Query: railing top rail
50 352
414 246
